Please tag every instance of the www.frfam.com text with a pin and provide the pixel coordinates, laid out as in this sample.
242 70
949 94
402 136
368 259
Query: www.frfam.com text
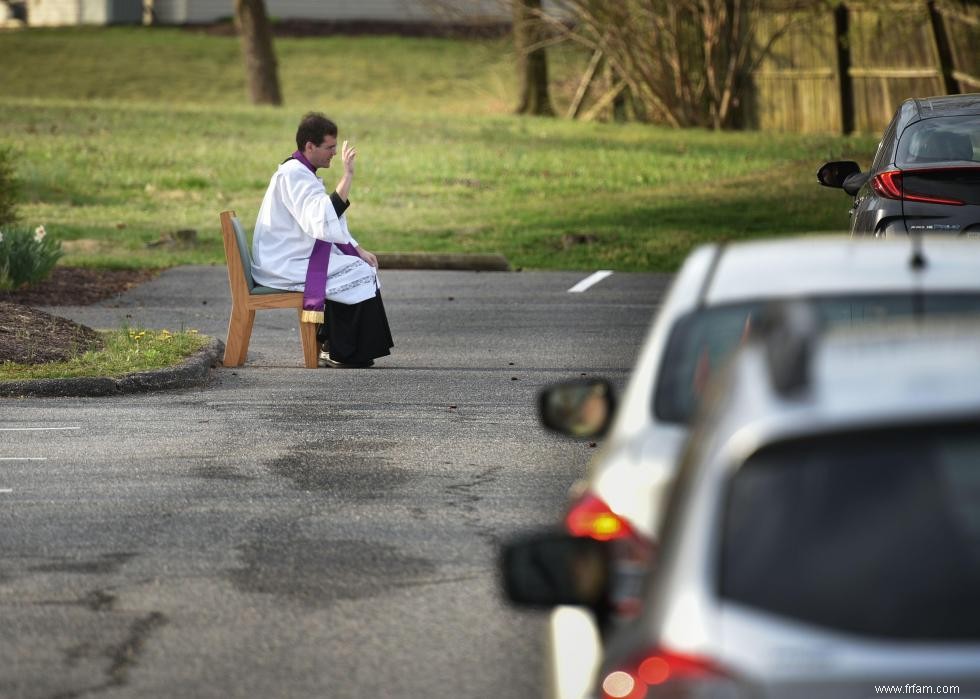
916 689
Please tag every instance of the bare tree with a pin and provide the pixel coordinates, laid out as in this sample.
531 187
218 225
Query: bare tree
685 62
530 30
260 57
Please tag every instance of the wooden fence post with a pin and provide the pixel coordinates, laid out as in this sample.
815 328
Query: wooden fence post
842 42
943 49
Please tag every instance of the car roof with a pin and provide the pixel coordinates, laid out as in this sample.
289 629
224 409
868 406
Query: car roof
893 373
946 105
925 368
826 266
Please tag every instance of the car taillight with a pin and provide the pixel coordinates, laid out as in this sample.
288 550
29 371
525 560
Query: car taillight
889 185
592 517
657 668
632 554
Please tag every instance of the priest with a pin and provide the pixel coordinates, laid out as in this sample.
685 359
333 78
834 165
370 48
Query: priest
301 243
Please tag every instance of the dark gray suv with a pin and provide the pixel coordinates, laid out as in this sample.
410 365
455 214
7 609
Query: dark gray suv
925 178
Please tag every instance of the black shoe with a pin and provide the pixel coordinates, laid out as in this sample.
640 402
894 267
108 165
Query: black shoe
326 361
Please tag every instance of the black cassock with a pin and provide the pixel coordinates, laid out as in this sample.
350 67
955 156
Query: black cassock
355 333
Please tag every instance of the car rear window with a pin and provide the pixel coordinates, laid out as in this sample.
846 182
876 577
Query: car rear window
940 140
875 533
700 342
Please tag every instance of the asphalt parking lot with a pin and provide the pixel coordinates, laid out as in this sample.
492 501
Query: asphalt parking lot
293 532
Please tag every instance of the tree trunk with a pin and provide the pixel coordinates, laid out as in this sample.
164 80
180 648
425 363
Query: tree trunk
260 57
531 58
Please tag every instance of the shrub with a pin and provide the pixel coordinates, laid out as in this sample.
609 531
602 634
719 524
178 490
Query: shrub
9 188
26 257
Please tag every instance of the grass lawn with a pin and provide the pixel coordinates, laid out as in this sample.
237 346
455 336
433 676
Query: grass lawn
125 135
125 351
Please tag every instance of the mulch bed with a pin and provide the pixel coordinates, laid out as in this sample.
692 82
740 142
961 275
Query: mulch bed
31 336
78 286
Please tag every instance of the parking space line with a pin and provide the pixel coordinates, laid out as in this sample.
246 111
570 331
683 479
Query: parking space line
23 458
589 281
37 429
6 490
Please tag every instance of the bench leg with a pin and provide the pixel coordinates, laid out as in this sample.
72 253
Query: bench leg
307 336
239 334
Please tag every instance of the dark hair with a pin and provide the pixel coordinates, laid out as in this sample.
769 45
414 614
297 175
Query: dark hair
314 128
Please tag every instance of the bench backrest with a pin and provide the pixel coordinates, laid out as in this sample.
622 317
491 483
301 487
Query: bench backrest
236 255
243 251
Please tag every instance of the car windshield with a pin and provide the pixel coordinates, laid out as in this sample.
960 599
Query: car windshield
700 342
876 533
940 140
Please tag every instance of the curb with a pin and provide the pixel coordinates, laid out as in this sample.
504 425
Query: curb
194 371
472 262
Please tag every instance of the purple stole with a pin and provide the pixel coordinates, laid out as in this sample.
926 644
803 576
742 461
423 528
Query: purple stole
314 289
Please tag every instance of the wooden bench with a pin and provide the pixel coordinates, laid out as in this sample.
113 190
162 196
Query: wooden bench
247 297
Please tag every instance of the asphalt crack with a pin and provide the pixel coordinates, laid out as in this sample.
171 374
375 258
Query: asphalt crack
106 564
99 601
122 657
126 655
462 495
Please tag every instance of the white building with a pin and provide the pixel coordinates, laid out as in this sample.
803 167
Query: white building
71 12
48 13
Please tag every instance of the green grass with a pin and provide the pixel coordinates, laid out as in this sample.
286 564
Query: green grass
125 351
125 135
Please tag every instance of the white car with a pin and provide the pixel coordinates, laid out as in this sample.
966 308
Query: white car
715 298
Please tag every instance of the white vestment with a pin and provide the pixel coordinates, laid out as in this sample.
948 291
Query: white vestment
296 212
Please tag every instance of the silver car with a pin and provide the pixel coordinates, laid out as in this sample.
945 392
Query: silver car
709 311
823 538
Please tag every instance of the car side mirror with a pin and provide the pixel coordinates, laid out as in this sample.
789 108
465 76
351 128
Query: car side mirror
554 568
833 174
578 408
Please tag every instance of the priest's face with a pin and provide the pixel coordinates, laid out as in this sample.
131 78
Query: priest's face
321 155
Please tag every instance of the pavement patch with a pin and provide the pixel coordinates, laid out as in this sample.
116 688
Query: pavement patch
321 572
353 467
221 472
